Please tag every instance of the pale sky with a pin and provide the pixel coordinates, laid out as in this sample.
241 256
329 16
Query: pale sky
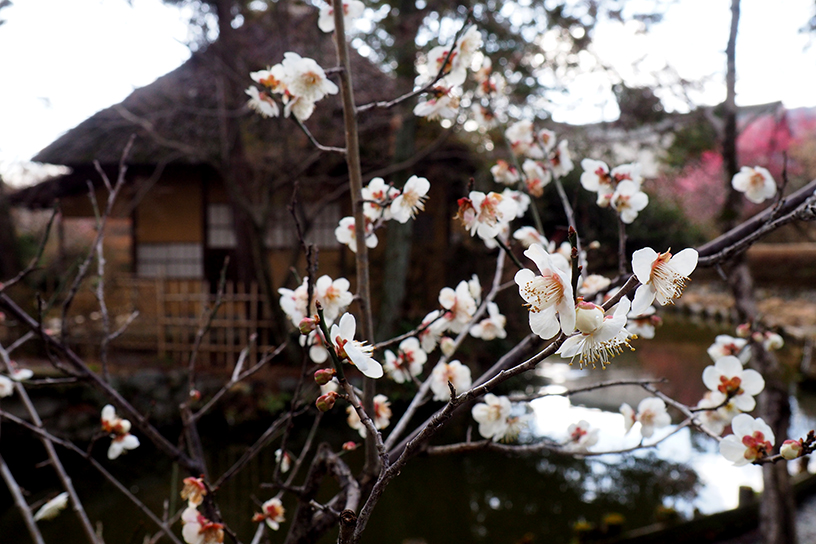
62 61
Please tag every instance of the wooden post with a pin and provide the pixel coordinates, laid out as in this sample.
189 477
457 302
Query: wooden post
160 332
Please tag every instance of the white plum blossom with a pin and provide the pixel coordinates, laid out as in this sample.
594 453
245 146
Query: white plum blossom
272 512
121 443
357 353
662 276
305 78
378 197
333 295
628 200
447 346
757 183
475 288
382 415
521 201
492 327
643 324
411 200
407 362
600 337
729 378
716 414
536 177
468 45
440 103
453 372
547 139
725 345
521 136
560 160
593 283
529 236
434 327
651 414
460 306
196 529
119 431
261 102
548 295
596 176
293 302
284 460
599 179
580 437
6 387
486 214
492 416
346 234
52 508
22 374
351 10
504 173
752 439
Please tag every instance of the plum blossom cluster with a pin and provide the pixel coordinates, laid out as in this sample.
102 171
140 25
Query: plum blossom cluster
272 513
383 202
651 414
119 431
619 188
544 160
381 418
580 437
489 215
334 297
442 101
495 418
351 10
299 81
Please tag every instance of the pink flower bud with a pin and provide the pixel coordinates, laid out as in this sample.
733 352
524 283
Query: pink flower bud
791 449
195 394
757 337
349 446
744 330
324 376
326 402
308 324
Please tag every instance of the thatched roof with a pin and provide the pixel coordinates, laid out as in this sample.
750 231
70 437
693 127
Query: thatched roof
177 118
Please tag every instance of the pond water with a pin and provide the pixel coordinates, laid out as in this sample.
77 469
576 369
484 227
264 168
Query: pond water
475 498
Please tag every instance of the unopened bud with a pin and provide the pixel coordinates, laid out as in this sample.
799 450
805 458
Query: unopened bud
772 341
324 375
588 317
791 449
308 324
195 394
326 402
744 330
349 446
758 337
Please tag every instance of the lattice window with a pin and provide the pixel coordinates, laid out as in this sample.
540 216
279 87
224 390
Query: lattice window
220 227
282 232
170 260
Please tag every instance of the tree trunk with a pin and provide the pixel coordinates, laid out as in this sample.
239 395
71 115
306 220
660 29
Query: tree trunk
9 259
398 249
777 510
